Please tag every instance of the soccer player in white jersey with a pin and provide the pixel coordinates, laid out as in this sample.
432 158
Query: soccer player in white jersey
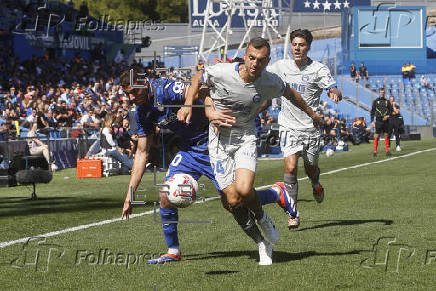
298 136
242 88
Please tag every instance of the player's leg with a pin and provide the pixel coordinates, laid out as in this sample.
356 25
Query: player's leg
387 148
169 214
245 219
310 156
285 193
245 169
385 130
376 137
223 164
241 214
396 129
291 184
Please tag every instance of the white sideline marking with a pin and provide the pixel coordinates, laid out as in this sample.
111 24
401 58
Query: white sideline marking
85 226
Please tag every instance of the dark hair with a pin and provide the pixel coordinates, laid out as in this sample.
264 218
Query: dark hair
303 33
259 42
125 75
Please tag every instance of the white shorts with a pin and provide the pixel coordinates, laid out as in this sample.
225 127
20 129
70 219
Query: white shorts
228 155
304 142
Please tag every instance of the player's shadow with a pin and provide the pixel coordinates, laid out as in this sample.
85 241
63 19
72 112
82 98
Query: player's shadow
224 272
306 200
278 256
345 222
25 207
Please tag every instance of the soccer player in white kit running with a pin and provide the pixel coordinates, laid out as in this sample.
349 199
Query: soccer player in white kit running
298 136
242 88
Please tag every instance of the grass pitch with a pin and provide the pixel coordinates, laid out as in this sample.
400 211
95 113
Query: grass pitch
374 230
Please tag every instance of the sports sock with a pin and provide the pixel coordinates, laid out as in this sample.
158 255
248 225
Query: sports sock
291 184
170 229
254 204
387 144
315 180
173 251
375 145
270 195
397 139
245 219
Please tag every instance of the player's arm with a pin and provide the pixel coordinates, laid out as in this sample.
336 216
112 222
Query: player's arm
295 98
141 158
334 94
265 105
184 114
372 114
389 113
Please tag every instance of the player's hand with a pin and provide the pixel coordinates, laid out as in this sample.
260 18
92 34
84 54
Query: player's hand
127 209
373 124
386 117
317 119
221 118
184 114
335 95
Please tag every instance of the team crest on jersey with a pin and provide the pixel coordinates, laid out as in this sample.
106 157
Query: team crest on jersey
257 98
305 78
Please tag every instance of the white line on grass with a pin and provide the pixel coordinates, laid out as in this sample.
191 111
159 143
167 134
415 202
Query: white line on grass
85 226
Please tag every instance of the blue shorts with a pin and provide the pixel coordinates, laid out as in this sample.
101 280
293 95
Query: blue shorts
192 163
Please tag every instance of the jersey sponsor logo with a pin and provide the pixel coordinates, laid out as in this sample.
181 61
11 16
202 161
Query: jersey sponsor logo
257 98
299 87
305 78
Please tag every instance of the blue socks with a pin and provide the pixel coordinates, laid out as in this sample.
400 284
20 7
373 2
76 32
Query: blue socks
170 229
268 196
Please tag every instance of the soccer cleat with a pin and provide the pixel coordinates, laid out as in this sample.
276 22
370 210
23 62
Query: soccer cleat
285 201
268 228
388 154
265 253
293 222
398 148
374 155
318 193
167 258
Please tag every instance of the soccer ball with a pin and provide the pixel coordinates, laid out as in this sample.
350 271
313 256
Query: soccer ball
181 190
329 153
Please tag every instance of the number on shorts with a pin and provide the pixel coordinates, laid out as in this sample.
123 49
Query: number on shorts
176 161
219 167
178 87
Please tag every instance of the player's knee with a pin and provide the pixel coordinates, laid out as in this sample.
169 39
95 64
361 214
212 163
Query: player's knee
291 169
233 201
244 188
225 203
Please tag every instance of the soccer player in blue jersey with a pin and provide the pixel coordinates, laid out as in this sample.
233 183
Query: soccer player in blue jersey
192 159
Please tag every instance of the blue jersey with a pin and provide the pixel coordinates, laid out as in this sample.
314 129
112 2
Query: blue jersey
156 113
193 157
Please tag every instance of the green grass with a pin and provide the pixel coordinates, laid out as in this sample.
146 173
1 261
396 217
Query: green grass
332 249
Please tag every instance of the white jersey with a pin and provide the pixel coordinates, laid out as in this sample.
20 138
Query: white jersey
229 91
309 81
